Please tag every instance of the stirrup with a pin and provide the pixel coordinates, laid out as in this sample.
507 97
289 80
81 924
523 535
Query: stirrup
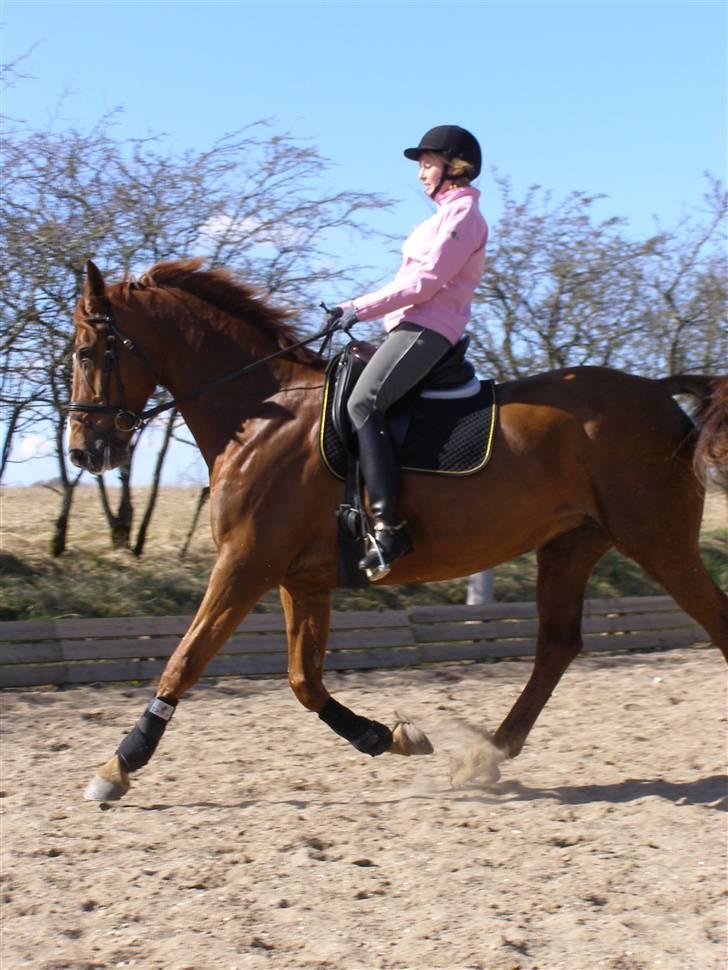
374 563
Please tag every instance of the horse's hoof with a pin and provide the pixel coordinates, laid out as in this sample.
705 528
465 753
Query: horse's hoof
407 739
110 783
102 790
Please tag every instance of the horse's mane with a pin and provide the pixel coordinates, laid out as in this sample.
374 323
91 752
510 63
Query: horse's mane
219 288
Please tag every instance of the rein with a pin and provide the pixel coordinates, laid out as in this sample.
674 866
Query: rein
126 420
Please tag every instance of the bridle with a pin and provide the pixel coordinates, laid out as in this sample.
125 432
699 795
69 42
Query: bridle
126 420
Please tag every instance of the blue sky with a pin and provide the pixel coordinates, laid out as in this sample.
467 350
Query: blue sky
622 98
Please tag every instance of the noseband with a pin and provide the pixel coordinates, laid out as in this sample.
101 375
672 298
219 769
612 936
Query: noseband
126 420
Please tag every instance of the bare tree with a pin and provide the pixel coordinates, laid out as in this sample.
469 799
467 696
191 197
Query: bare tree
563 288
560 288
156 480
688 318
256 201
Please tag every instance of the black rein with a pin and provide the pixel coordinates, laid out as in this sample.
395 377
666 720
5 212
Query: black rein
126 420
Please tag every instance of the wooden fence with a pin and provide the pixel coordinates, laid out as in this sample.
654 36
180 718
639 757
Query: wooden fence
77 651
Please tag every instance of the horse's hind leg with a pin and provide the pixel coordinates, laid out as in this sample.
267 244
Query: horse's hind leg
564 566
691 586
672 557
307 613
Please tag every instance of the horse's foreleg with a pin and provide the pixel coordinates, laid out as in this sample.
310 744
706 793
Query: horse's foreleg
307 626
231 593
564 567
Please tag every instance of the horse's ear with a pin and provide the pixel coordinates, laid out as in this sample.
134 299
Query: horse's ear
94 287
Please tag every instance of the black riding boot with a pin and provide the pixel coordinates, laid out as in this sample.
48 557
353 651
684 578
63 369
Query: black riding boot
381 475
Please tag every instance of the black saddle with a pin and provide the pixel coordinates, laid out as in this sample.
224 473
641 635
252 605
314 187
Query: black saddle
452 372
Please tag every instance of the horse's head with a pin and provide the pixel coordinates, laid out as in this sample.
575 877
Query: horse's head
111 382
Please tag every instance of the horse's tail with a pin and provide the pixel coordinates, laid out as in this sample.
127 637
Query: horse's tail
711 417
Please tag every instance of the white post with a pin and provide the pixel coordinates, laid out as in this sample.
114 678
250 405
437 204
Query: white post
480 588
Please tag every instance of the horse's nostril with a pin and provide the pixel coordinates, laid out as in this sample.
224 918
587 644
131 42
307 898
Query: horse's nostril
78 457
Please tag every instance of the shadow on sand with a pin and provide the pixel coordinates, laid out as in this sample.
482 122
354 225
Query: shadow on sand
710 792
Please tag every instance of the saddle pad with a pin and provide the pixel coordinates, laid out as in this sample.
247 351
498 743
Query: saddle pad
445 437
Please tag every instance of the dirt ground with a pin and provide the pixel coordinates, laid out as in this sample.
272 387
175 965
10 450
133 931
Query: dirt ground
258 839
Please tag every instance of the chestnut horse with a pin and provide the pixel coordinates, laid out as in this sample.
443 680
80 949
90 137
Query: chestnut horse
584 459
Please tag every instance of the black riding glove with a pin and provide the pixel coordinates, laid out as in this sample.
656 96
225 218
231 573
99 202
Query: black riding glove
343 317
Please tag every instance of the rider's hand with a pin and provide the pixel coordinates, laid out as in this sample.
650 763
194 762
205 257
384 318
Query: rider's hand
345 317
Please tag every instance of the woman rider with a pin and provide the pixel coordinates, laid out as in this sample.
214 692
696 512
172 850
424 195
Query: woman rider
426 309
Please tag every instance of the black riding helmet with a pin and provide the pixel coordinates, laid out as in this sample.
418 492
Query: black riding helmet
450 141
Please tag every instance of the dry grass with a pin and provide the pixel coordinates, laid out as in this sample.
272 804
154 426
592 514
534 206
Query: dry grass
28 514
93 580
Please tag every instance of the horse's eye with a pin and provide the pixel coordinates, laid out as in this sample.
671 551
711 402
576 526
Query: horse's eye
84 353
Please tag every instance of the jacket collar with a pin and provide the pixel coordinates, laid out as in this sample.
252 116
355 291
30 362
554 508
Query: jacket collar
444 196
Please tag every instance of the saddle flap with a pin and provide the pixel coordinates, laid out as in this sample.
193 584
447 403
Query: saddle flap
345 370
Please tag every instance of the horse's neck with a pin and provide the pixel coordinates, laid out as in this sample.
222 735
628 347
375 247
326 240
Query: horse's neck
224 413
251 409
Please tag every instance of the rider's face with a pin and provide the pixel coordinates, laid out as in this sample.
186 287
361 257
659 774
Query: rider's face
431 168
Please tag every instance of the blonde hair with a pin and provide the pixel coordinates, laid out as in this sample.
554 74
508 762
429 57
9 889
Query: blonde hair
459 172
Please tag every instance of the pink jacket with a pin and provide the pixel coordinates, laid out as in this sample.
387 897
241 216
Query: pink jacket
442 265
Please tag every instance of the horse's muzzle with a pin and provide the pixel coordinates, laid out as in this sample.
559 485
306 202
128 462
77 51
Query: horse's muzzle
83 459
100 459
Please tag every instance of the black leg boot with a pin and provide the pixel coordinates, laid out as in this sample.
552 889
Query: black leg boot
380 469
